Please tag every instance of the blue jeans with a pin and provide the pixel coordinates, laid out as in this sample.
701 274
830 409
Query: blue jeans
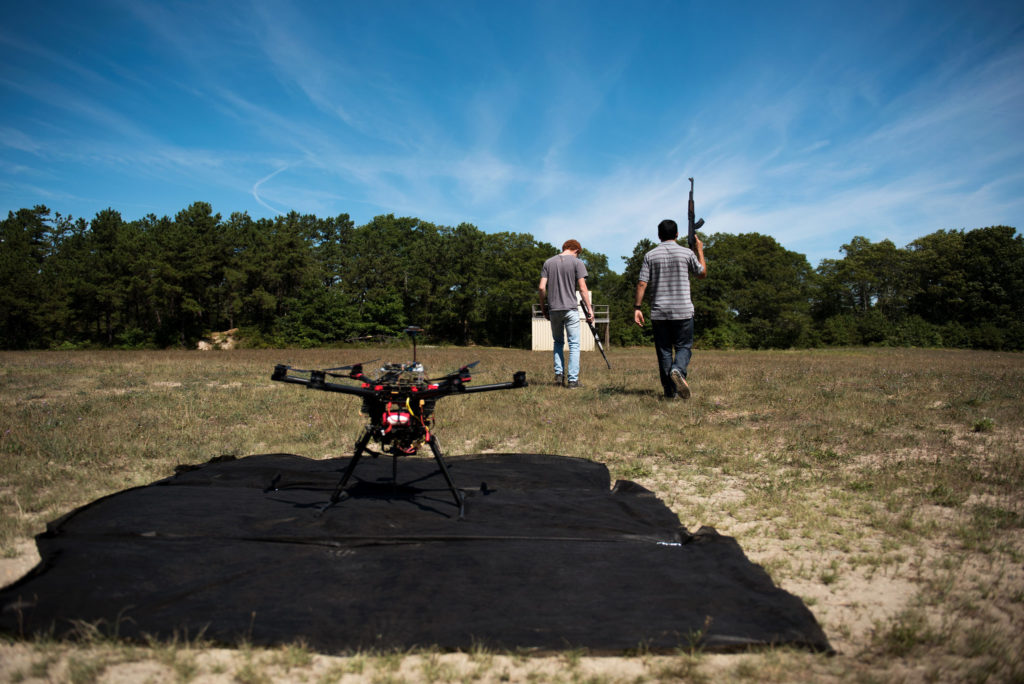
566 323
673 341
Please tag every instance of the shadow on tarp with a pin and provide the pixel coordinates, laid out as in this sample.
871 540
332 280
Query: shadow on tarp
549 556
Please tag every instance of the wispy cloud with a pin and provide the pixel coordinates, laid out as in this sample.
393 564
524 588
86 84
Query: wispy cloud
12 137
261 181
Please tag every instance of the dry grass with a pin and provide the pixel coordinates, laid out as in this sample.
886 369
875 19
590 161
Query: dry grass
884 487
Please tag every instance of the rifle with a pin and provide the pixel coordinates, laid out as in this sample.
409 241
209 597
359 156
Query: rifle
691 235
593 329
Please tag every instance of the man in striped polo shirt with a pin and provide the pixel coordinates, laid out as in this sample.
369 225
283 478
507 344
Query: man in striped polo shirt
666 271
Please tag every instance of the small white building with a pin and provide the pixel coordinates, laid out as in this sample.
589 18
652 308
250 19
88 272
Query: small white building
541 334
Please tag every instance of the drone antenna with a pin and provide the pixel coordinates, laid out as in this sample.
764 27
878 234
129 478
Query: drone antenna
413 331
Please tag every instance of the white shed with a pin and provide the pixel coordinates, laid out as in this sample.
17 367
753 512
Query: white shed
541 337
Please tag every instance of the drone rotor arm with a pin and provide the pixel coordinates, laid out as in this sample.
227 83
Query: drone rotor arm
343 389
283 373
317 380
493 387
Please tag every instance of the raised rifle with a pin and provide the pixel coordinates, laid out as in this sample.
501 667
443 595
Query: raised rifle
691 233
593 329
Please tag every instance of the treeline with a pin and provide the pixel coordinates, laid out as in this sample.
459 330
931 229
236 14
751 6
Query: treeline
300 280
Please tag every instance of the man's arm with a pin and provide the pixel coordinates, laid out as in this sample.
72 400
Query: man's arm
542 293
585 293
638 315
700 255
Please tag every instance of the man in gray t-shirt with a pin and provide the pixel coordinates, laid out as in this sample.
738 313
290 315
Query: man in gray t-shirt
665 272
559 278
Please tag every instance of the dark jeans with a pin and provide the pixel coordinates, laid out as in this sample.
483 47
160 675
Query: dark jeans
673 341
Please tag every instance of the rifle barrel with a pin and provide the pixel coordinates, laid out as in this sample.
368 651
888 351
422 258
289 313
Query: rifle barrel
593 329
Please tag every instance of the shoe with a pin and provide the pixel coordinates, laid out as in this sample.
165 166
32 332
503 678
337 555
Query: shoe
680 382
558 380
574 384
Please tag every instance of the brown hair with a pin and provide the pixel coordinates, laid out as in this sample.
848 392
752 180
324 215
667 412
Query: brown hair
573 245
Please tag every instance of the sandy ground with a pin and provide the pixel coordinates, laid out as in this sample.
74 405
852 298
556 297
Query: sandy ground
13 569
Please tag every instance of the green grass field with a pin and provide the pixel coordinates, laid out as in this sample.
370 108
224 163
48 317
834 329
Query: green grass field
885 487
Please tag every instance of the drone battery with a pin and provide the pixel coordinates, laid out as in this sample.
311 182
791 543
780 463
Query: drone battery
397 418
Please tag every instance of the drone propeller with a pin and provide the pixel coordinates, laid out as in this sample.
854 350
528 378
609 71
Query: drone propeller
457 373
293 368
345 368
327 371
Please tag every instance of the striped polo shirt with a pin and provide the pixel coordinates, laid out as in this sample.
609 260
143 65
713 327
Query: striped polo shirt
666 270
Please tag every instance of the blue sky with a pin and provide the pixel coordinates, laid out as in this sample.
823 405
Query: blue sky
812 122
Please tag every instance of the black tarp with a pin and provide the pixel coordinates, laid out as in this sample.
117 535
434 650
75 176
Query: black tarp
548 556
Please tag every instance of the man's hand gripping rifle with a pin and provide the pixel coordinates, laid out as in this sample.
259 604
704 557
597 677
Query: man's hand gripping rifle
400 405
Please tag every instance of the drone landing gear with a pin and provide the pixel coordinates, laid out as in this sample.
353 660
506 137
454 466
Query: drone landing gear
438 457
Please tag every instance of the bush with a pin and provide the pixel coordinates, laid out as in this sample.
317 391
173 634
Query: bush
916 332
729 335
988 336
840 331
955 335
874 327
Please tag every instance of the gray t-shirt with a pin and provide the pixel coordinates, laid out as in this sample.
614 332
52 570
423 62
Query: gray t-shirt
562 272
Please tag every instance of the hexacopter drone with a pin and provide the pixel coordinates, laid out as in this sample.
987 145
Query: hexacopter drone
399 403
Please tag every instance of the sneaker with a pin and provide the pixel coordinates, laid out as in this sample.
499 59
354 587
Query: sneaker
574 384
558 380
680 382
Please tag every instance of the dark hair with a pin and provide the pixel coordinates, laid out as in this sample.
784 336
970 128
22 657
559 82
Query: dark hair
573 245
668 230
